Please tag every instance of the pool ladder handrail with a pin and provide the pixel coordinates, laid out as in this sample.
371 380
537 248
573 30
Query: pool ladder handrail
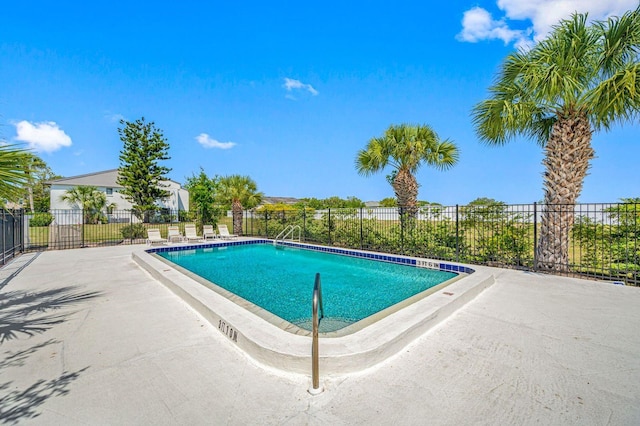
288 231
315 343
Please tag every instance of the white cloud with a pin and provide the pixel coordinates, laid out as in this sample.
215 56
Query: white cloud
206 141
291 84
477 24
542 15
42 137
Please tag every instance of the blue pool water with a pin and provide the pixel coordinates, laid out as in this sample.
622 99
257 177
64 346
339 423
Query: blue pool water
281 280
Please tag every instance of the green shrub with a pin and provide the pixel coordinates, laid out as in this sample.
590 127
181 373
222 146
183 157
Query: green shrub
41 219
134 231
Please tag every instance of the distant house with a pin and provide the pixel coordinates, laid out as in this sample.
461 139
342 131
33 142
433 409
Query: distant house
279 200
106 182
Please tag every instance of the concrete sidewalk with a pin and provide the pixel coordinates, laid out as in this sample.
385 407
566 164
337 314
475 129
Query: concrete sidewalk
87 337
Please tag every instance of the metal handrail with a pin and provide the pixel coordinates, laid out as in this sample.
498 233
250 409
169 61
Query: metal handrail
288 231
315 361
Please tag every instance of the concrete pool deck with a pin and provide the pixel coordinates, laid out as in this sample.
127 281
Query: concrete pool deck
88 337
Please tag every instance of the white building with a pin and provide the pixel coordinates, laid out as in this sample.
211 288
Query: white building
106 182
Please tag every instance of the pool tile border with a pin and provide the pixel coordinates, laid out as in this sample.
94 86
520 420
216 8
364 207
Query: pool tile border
402 260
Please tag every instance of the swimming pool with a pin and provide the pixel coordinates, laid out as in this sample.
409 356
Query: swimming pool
278 344
280 280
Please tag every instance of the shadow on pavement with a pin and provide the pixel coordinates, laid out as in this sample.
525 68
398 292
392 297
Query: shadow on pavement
31 313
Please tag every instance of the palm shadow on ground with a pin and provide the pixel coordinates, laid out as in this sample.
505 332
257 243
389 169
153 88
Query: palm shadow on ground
29 314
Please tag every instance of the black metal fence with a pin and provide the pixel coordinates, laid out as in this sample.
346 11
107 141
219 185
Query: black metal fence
588 240
11 234
67 229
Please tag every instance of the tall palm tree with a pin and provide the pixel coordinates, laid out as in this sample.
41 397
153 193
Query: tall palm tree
240 192
405 148
89 199
580 79
13 172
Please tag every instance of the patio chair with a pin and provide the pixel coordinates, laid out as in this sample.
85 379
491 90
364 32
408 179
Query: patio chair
208 232
154 237
190 233
174 234
224 232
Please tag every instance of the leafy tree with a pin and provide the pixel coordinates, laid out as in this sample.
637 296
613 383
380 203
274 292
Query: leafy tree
484 201
313 203
37 190
139 173
239 192
334 202
89 199
611 248
339 203
580 79
389 202
202 193
13 173
405 148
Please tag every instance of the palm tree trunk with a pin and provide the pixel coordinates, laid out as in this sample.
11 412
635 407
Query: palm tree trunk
406 188
31 198
568 153
236 210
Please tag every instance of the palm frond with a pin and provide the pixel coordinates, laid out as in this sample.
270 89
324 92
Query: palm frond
13 171
616 99
620 42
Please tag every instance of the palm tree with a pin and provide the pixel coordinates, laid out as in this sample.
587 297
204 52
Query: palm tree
13 172
580 79
89 199
405 148
239 192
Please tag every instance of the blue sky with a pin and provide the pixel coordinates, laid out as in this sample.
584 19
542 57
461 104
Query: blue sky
285 92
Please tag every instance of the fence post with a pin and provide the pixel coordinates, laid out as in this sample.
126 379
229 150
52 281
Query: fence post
457 235
402 222
329 225
82 229
304 223
361 234
21 231
535 235
4 236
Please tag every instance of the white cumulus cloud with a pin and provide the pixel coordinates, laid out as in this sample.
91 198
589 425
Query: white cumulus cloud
539 17
291 85
206 141
478 24
42 137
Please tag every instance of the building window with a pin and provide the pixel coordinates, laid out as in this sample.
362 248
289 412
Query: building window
109 191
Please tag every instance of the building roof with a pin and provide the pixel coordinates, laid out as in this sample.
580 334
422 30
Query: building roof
279 200
107 178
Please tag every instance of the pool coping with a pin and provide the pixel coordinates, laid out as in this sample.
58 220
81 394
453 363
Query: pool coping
272 346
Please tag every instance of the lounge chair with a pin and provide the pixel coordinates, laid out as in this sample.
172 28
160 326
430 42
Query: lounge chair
190 233
208 232
174 234
224 232
154 237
